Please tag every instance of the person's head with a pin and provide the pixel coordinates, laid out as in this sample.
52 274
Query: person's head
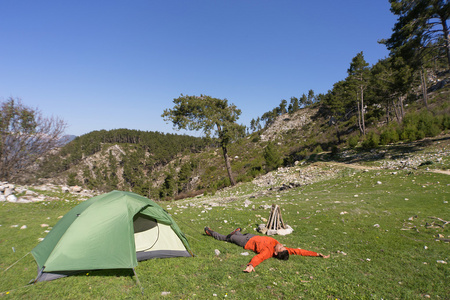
281 252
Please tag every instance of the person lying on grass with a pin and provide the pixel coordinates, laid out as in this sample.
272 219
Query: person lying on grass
265 246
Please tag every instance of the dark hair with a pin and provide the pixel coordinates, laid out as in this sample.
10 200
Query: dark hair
283 255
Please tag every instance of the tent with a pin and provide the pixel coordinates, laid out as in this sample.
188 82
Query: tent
109 231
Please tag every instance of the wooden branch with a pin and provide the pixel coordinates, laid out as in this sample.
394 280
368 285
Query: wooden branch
439 219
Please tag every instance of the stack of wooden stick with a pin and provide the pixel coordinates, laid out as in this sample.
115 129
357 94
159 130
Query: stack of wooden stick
275 220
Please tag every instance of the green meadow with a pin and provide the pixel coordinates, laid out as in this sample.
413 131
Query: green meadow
385 232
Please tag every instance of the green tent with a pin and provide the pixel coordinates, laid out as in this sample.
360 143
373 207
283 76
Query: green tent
109 231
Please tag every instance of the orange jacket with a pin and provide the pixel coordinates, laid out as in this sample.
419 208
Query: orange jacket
264 246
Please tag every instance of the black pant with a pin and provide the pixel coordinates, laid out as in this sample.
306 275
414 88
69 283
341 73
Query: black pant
236 238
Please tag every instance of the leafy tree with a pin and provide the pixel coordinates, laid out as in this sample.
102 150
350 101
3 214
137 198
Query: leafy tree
311 97
269 117
338 101
421 25
184 175
358 77
168 186
391 80
212 115
255 125
303 100
282 108
272 157
25 136
294 106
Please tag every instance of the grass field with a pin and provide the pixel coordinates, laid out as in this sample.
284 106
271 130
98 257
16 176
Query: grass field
380 227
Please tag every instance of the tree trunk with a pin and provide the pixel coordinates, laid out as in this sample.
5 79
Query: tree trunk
402 111
338 133
446 38
424 87
398 109
228 165
387 113
363 121
359 116
223 144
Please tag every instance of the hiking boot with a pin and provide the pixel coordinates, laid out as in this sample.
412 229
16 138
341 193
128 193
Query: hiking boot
234 231
208 231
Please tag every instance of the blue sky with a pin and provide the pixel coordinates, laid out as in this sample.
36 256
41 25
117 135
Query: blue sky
119 64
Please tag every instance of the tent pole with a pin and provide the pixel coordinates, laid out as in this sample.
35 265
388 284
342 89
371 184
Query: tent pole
138 282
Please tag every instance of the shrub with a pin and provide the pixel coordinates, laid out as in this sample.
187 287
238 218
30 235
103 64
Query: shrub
409 133
445 122
389 135
317 150
256 139
428 124
420 134
334 151
353 141
72 180
417 126
272 157
371 141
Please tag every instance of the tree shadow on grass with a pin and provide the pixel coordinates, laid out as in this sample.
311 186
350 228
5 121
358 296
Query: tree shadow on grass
397 151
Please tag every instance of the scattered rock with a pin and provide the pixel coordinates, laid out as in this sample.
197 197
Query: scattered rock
8 191
217 252
11 198
287 230
76 189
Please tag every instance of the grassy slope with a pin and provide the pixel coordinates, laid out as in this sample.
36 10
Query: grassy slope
389 261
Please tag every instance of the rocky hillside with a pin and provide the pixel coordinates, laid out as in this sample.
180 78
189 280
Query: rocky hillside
428 155
289 122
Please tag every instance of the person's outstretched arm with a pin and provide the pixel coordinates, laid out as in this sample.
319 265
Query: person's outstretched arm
249 269
302 252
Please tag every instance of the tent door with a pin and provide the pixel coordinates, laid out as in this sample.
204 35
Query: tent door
146 232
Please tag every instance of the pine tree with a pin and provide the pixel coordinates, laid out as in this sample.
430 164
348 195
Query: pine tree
358 77
272 157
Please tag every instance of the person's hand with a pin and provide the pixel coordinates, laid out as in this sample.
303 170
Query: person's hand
324 256
249 269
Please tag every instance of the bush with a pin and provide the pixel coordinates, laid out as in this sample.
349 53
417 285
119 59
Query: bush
272 157
417 126
445 122
389 135
72 180
409 133
256 139
317 150
428 124
371 141
353 141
